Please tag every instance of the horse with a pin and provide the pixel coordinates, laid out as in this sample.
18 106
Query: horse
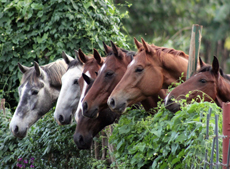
208 84
109 75
152 69
88 128
70 93
39 89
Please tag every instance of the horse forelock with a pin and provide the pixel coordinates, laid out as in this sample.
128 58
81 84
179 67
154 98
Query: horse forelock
54 72
31 77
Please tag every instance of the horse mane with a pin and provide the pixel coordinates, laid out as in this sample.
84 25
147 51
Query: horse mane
75 62
54 70
208 68
128 53
172 51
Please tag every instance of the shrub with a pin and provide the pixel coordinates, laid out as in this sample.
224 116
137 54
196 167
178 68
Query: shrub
164 140
46 146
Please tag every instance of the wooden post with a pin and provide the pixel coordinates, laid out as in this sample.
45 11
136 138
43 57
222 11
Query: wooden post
226 131
2 106
194 49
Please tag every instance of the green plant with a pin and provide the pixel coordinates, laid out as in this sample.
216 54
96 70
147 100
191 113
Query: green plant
40 30
164 140
47 144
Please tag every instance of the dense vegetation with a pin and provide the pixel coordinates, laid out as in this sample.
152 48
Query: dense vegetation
40 30
141 140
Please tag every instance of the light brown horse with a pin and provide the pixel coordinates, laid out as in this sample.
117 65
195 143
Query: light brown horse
109 75
153 68
208 84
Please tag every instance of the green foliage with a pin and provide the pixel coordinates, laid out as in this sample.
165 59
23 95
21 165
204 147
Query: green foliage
40 30
164 140
50 145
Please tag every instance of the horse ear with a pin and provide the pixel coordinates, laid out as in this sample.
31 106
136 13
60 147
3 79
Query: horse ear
107 48
97 56
87 79
215 65
83 58
37 69
65 57
146 46
22 68
77 56
116 50
201 62
137 43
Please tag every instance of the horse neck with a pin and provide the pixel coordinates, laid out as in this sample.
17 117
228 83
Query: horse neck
55 85
173 67
151 102
223 89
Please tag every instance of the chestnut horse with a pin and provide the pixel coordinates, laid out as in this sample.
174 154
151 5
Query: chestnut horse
109 75
153 68
209 84
39 89
70 93
87 128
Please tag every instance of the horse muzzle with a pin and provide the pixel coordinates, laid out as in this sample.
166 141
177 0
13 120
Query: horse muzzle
171 105
82 142
117 106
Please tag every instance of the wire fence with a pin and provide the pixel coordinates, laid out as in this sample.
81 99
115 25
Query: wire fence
215 147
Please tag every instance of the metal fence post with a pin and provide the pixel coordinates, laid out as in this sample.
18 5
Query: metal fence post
226 131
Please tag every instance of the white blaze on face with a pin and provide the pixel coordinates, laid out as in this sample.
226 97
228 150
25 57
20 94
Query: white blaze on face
70 92
166 98
131 63
79 108
103 67
16 117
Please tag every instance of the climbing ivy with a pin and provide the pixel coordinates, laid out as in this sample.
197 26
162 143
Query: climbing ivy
40 30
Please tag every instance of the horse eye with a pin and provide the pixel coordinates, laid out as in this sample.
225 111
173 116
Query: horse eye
96 73
108 74
34 92
139 69
203 81
75 81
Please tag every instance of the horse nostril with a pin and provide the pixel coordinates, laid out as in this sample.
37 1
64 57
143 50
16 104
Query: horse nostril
61 118
85 106
112 102
16 129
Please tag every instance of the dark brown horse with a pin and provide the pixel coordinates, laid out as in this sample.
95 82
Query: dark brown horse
153 68
87 128
208 84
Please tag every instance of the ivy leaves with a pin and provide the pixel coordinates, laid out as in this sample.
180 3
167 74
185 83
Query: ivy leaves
40 30
164 140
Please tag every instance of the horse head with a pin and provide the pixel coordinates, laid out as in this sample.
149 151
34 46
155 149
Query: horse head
40 86
208 84
108 76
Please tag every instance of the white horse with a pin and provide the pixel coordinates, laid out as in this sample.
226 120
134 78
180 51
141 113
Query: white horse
73 86
40 87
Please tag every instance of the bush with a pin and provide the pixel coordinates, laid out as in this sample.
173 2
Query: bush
46 146
164 140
